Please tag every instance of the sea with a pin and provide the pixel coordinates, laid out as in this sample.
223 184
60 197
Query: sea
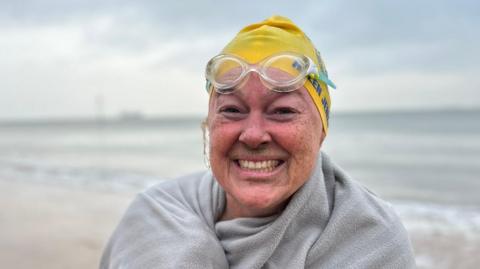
425 163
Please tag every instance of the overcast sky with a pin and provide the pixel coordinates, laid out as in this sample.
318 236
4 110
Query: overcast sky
60 58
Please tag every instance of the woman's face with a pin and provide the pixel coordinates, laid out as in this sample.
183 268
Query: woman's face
263 146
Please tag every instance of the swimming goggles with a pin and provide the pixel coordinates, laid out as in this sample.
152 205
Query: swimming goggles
282 72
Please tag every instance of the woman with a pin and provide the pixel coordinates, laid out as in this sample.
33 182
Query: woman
271 199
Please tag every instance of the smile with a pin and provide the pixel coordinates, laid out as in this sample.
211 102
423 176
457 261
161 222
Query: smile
259 166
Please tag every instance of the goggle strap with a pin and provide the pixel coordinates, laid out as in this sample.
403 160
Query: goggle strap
207 86
323 77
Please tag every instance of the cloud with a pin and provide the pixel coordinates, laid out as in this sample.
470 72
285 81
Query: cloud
57 56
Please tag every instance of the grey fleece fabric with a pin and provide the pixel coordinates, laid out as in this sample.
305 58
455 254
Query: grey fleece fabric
330 222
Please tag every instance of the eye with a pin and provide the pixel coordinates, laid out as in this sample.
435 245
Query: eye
232 112
283 111
229 109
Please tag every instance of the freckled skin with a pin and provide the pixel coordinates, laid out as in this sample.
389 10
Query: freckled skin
254 123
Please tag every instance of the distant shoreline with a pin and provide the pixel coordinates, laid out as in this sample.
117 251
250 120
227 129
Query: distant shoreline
185 119
95 122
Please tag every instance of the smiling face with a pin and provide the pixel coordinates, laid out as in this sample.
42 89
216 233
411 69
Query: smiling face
263 146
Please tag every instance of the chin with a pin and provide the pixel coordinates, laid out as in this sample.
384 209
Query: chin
262 203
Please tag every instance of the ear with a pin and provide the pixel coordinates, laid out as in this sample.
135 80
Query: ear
322 137
206 143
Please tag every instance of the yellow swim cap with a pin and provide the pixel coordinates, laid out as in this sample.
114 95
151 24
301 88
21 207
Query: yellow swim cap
278 34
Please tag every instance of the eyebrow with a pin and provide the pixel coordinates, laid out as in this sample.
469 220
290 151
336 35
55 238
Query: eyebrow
240 96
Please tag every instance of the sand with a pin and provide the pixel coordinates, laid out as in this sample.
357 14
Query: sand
56 227
62 227
453 250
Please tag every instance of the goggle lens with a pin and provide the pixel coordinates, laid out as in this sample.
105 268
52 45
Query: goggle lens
282 69
226 71
282 72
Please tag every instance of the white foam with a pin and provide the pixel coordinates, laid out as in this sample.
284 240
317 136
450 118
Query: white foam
92 177
428 218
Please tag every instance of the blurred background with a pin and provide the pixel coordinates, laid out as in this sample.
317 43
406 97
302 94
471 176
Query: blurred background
99 100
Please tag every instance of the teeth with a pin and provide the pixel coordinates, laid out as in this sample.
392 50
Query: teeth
262 166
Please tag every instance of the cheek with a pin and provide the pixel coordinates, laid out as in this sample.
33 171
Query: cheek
222 138
300 138
302 141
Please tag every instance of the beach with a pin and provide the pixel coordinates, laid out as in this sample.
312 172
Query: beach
55 227
443 237
59 227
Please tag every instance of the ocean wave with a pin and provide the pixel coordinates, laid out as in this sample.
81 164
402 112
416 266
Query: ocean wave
90 177
429 218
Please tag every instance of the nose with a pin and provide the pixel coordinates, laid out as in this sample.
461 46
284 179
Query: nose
254 133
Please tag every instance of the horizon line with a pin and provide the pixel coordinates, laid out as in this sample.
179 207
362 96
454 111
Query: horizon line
139 117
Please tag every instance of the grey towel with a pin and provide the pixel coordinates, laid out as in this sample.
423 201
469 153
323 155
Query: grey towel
330 222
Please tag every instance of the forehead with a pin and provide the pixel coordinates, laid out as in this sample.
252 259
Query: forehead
254 92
